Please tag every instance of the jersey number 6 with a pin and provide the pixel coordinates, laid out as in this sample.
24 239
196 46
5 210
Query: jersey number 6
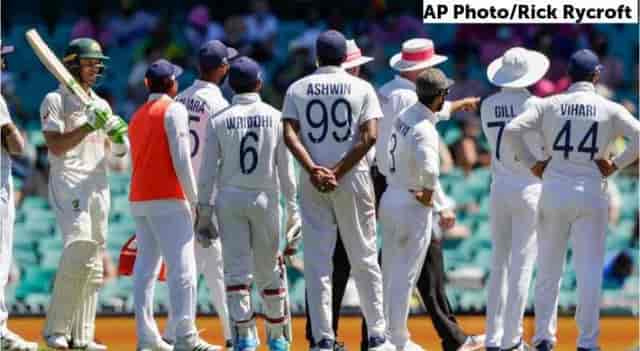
248 151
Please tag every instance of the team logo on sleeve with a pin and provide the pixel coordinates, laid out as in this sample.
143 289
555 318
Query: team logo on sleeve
75 204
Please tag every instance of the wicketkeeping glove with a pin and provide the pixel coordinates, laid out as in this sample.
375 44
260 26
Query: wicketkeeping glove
293 233
205 229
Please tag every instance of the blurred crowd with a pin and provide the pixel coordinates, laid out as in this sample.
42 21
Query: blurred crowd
285 49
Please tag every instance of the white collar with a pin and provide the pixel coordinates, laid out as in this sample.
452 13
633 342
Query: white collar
246 98
329 69
515 90
582 86
424 112
199 83
405 82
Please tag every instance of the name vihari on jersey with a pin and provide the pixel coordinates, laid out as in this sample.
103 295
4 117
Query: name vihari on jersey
248 122
318 89
578 110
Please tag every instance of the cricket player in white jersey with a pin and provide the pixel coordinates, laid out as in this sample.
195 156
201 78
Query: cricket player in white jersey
330 123
203 99
577 127
246 156
406 206
11 143
78 139
399 93
162 193
514 197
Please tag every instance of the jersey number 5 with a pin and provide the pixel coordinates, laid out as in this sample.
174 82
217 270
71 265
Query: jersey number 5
565 133
195 145
323 123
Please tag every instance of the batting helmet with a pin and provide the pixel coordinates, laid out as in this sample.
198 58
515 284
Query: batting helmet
83 48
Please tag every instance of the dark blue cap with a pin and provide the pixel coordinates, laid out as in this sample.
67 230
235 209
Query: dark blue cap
162 69
331 45
214 53
583 62
243 72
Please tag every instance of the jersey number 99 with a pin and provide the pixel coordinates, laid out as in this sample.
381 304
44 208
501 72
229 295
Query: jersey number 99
323 122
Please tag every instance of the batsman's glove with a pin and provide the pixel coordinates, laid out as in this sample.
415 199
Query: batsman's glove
293 233
205 229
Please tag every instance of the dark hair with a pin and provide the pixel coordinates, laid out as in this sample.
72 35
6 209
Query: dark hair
330 61
248 87
160 85
427 100
581 77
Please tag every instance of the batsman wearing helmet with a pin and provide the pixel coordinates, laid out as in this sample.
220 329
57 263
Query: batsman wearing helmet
79 138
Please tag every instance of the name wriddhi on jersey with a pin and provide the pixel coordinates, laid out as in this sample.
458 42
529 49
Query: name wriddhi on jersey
247 122
318 89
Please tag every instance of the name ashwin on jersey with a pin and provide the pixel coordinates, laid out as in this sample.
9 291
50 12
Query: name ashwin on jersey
247 122
318 89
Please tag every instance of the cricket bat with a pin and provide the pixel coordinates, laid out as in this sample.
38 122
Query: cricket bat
55 67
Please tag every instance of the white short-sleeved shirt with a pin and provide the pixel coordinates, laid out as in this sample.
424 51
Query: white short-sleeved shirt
6 188
63 112
412 150
496 112
330 106
577 127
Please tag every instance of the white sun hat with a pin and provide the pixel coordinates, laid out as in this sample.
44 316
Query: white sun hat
518 68
416 54
354 56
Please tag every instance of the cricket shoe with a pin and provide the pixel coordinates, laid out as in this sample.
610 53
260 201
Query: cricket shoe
339 346
380 343
522 346
228 345
544 345
14 342
411 346
91 346
57 342
473 342
246 343
279 344
192 342
160 345
324 345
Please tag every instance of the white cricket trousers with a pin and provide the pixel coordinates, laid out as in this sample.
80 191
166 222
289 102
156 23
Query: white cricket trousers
351 208
170 236
7 216
576 211
208 263
513 219
406 227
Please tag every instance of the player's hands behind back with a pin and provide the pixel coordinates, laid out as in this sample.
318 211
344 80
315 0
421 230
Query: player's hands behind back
447 219
323 179
205 229
539 167
606 167
423 196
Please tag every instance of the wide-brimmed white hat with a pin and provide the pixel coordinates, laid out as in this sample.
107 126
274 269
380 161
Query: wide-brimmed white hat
354 56
518 68
416 54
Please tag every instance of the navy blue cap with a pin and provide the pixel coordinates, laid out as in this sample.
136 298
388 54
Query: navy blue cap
583 62
244 71
162 69
331 45
214 53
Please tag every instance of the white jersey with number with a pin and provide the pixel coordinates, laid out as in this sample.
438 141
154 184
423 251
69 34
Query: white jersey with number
203 100
6 187
330 106
63 112
412 150
577 127
245 150
496 112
